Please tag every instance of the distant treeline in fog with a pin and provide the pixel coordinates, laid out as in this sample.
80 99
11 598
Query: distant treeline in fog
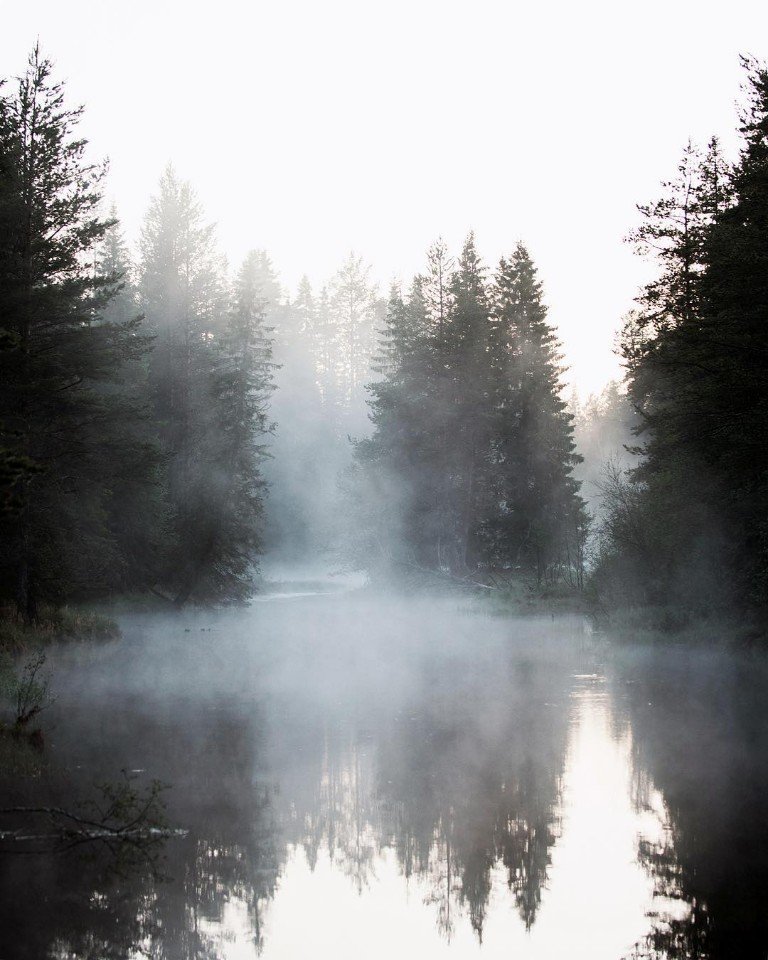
163 422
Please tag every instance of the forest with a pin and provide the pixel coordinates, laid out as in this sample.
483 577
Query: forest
166 418
349 611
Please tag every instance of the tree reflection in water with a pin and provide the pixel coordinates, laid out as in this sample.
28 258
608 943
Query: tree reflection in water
700 730
446 757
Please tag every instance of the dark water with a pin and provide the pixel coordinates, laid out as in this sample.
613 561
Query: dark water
366 778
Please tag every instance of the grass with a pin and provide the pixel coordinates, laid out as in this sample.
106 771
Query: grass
664 624
526 597
55 624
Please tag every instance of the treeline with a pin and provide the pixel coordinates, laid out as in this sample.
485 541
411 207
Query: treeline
138 401
686 530
133 402
470 466
324 338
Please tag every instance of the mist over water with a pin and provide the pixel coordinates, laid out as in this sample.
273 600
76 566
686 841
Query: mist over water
363 774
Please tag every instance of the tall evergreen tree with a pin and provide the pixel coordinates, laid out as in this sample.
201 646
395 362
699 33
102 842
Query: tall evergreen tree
470 463
60 422
463 359
135 509
241 390
183 295
353 306
537 519
696 536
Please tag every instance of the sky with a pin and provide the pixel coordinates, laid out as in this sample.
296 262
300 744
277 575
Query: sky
315 127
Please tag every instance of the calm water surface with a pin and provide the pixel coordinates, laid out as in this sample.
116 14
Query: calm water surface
378 778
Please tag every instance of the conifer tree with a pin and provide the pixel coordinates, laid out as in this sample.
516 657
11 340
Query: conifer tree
470 463
463 356
242 384
724 360
698 382
353 305
678 552
135 510
183 296
60 421
537 520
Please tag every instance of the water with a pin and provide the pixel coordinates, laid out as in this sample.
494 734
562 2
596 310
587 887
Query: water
374 778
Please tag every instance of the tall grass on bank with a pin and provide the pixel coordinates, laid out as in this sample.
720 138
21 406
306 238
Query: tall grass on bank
55 624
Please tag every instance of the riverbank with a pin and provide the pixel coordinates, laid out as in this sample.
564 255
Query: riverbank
652 625
55 624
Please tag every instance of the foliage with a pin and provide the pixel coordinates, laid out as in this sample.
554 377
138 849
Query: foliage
471 463
130 446
66 423
686 526
54 624
209 382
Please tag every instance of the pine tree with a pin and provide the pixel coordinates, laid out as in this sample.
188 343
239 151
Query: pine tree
353 306
241 389
470 463
183 296
724 359
393 492
59 417
679 551
463 359
135 511
536 519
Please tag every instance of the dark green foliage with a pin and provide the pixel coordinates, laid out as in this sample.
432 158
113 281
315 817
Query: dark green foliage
472 450
130 445
61 411
242 384
209 379
697 354
540 522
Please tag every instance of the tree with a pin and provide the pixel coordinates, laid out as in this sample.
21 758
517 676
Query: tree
464 369
353 308
241 390
537 519
135 511
470 463
698 381
730 344
393 486
56 406
210 379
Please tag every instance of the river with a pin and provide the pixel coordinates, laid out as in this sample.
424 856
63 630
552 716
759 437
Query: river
365 776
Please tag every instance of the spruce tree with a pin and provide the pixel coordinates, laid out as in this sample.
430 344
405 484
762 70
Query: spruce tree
536 518
242 384
135 510
353 308
724 359
677 355
60 418
183 296
470 463
464 370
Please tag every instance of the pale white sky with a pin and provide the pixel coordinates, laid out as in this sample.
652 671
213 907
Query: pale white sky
311 127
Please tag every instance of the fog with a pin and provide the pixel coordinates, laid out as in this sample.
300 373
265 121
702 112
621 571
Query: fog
403 773
326 127
383 549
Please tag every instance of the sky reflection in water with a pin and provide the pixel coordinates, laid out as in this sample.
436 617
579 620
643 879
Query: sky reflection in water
364 779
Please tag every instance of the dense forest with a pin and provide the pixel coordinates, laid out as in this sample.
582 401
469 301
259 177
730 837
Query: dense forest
165 421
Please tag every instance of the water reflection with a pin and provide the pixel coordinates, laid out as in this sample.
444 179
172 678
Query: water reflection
452 785
700 733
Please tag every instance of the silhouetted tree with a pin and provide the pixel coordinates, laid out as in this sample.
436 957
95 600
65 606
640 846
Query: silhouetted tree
66 425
